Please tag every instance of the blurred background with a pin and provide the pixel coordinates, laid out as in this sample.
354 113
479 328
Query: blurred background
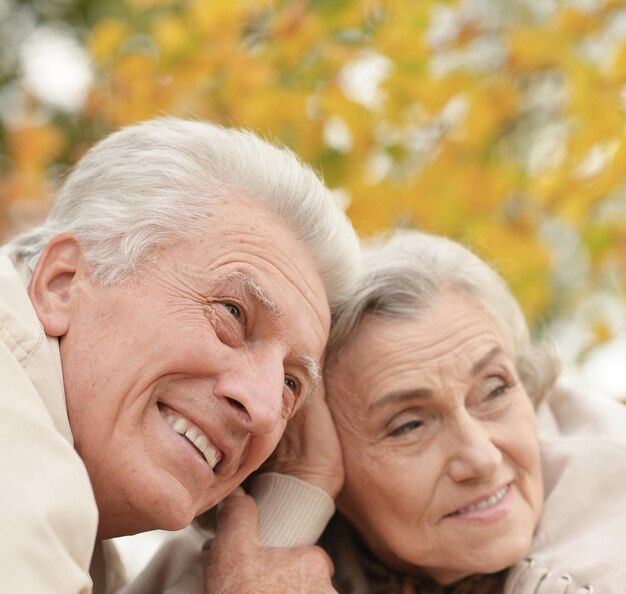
501 123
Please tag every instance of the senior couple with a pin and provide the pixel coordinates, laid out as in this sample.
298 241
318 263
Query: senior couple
170 316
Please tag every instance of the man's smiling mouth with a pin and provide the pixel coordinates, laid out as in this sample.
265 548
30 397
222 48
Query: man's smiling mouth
193 434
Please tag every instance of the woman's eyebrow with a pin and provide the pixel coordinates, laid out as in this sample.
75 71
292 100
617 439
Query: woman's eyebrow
486 359
400 396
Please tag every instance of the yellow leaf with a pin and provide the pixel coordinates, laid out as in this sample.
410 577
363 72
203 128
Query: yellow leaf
374 208
170 34
610 5
33 146
434 93
218 18
602 331
534 48
491 105
106 37
145 4
577 23
294 33
618 66
596 104
134 80
521 258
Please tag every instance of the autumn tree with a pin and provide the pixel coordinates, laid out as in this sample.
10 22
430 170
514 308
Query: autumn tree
500 124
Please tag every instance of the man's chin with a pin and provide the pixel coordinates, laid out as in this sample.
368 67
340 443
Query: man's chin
165 515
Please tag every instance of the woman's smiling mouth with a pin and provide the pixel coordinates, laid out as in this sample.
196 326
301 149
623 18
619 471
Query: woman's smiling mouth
489 508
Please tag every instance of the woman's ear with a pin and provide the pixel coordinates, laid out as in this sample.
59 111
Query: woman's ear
52 285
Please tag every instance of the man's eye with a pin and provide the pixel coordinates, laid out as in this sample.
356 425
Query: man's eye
291 384
233 309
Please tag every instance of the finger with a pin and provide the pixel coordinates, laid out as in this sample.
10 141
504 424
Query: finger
237 520
318 559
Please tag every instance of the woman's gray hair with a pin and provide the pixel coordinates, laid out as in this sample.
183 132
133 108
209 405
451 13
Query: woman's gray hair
158 181
403 274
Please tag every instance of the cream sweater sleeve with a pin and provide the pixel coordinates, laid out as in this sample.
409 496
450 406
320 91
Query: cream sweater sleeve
292 512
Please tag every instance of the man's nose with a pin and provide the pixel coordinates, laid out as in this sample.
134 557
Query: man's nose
471 451
252 389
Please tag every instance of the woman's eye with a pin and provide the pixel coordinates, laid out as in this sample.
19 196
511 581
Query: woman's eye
233 309
291 384
406 427
500 389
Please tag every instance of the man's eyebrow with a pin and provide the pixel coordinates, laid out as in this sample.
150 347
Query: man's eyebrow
485 359
312 368
401 396
269 305
272 311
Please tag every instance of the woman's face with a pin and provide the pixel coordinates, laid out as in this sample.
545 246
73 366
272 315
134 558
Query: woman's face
439 439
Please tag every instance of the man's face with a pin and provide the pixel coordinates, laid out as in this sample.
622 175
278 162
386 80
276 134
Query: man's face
180 383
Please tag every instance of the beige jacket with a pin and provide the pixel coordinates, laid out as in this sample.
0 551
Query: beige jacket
580 543
48 514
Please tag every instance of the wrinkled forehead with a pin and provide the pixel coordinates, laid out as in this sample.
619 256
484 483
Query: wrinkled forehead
454 329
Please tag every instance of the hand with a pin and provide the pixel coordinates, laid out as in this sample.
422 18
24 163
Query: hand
309 448
235 563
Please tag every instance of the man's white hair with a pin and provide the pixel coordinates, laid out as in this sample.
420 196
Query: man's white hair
158 181
404 274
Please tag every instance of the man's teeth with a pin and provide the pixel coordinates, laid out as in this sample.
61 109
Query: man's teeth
495 498
201 441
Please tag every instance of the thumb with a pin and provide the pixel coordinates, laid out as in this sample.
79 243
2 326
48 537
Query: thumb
237 520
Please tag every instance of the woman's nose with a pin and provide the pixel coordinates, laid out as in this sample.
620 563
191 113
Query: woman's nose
252 389
471 451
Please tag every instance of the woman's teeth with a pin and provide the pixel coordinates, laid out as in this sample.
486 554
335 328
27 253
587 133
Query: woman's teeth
184 427
488 502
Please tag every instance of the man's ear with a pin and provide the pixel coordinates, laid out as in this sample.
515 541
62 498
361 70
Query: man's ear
52 285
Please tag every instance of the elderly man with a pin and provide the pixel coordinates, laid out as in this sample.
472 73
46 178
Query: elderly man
157 331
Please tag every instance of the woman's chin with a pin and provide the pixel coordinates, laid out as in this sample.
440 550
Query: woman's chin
489 562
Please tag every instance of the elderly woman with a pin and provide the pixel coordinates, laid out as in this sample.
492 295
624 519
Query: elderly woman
463 468
457 466
433 385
